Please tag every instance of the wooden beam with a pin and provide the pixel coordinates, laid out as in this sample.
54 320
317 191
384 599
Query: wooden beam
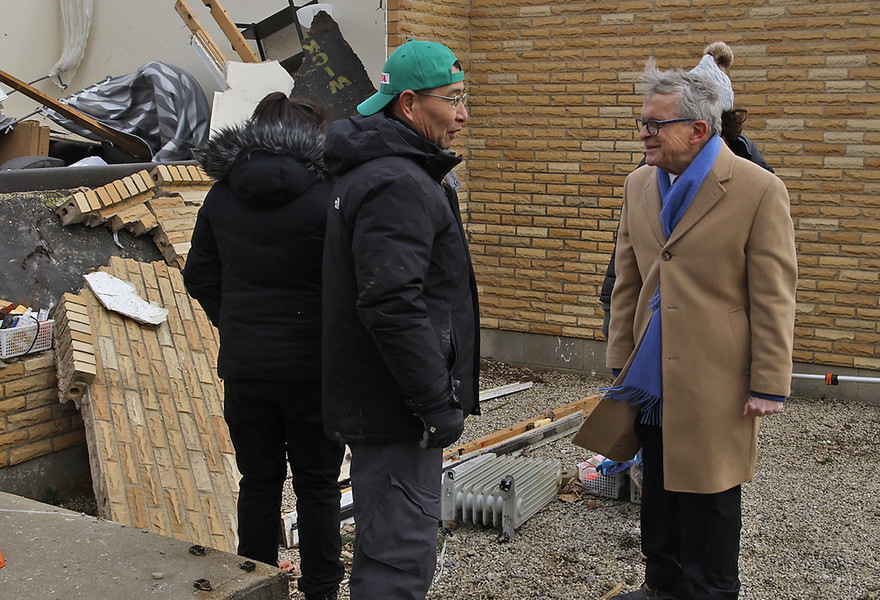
127 142
201 34
232 32
584 405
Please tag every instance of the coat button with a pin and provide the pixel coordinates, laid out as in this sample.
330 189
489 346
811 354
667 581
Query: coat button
666 256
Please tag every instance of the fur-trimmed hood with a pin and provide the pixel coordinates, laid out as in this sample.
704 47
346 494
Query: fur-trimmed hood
264 163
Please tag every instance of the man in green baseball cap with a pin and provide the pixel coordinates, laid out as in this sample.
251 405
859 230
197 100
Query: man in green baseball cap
416 65
400 340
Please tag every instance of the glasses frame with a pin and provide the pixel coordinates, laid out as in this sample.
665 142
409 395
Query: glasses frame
647 124
457 101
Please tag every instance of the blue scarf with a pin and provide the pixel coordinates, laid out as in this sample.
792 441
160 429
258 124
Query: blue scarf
642 386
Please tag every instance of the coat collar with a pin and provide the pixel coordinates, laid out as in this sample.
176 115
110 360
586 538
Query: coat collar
707 196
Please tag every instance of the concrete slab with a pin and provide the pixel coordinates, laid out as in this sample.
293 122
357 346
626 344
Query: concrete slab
50 552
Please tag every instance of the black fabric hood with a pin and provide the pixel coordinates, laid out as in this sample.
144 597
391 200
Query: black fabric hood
263 163
353 141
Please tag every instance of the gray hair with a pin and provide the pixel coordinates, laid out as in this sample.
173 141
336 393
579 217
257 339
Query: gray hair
698 97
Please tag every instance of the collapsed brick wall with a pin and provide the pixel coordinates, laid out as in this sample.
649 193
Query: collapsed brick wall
551 139
32 421
36 418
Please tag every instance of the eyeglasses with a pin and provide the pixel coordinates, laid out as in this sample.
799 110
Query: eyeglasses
460 100
653 126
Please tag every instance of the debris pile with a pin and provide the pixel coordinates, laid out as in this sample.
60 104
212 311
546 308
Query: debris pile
164 202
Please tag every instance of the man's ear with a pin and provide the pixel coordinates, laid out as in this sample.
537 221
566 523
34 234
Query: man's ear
699 130
405 104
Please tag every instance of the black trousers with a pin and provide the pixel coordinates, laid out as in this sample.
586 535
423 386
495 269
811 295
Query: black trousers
271 423
396 490
691 541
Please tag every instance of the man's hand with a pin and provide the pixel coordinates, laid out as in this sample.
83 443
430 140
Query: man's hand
761 407
443 427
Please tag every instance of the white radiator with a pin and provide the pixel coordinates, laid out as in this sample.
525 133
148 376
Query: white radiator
499 490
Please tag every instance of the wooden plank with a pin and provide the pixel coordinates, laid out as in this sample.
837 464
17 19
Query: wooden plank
198 30
128 143
583 405
544 432
232 32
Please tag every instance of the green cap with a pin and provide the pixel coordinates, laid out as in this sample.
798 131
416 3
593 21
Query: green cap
413 66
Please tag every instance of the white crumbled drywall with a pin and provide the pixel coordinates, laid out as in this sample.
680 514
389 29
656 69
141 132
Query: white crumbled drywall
122 297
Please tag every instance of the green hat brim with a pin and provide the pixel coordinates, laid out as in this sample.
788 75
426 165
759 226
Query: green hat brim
375 103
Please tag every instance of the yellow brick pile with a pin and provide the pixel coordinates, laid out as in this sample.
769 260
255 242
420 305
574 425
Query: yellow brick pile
74 348
32 421
163 201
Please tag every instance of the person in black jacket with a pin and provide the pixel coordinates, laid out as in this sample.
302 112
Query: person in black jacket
255 267
401 327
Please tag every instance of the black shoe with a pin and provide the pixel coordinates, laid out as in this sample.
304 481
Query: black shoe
644 593
331 595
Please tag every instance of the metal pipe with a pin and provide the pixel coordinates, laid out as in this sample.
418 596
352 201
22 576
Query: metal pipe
18 120
12 91
832 379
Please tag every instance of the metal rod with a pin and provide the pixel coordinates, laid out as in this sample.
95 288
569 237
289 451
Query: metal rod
31 83
13 123
832 379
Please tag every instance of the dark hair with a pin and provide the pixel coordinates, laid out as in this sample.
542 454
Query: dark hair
290 109
732 124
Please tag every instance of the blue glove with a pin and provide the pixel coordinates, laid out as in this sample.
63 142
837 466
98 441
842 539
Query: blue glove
610 467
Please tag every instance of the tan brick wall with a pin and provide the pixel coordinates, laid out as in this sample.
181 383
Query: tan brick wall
551 139
33 422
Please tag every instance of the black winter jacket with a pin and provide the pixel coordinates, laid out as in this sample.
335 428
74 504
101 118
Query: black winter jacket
255 260
400 298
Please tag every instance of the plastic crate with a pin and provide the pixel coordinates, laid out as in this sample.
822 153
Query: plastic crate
608 486
635 496
21 340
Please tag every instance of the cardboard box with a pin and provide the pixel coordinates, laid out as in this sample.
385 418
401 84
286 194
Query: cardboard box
27 138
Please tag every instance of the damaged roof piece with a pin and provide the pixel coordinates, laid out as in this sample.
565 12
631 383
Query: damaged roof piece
53 255
159 448
42 259
332 74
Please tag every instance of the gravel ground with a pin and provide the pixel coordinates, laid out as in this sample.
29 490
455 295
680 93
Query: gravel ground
811 516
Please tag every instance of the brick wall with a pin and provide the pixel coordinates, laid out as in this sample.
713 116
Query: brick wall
551 139
33 422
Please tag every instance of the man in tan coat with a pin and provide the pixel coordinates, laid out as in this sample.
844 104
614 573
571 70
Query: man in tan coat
701 335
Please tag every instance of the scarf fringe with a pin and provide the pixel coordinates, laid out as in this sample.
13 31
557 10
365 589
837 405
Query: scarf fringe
631 395
649 405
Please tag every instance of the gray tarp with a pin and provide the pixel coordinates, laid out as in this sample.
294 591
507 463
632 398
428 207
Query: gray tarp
161 104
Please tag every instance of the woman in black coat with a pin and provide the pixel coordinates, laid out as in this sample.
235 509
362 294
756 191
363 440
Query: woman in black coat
255 267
